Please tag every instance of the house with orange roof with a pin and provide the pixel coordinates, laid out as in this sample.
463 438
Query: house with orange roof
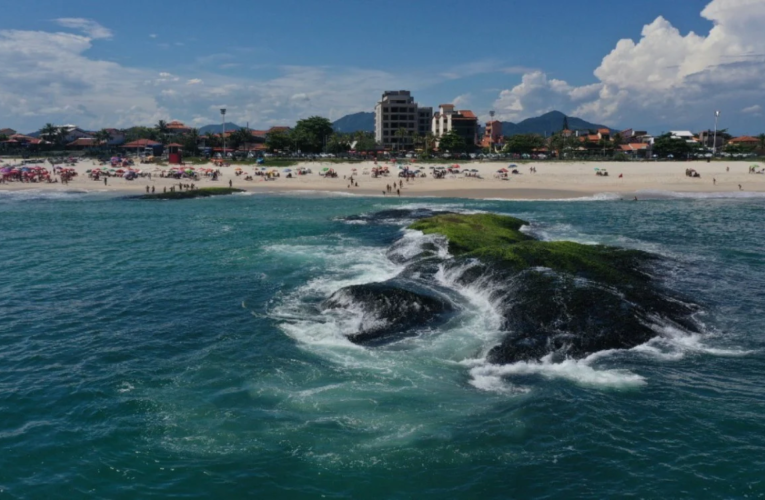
463 122
745 140
178 128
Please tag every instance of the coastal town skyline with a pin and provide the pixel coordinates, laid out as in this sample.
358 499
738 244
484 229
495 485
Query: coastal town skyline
670 67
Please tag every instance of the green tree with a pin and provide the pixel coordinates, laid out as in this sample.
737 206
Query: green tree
524 143
49 132
278 141
238 138
339 143
102 137
665 145
401 134
416 139
430 142
311 134
451 142
135 133
161 127
365 141
761 143
190 142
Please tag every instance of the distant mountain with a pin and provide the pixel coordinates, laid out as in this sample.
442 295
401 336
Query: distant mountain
548 124
216 128
363 121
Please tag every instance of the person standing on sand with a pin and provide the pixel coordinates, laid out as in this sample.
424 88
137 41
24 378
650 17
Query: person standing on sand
147 189
398 192
104 181
230 184
714 181
740 188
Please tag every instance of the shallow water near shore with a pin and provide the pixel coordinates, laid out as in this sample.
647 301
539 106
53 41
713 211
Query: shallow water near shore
174 349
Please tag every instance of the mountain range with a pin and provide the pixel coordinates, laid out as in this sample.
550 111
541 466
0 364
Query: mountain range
363 121
216 128
546 124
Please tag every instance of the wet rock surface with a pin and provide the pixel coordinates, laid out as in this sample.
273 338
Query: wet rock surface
388 311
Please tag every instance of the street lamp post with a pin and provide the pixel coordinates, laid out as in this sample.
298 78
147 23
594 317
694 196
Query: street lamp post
223 126
491 137
714 140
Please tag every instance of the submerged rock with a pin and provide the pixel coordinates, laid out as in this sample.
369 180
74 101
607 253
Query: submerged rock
388 312
190 193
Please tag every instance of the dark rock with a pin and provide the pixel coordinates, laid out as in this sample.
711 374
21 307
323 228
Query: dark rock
389 311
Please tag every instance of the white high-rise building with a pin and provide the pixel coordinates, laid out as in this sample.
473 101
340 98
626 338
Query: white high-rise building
398 111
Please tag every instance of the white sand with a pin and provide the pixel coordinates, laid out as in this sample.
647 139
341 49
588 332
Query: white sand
552 180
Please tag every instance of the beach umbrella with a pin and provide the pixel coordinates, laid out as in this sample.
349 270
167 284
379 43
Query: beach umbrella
474 170
597 169
325 169
287 170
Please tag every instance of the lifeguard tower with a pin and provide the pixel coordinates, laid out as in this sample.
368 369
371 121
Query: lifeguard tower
174 154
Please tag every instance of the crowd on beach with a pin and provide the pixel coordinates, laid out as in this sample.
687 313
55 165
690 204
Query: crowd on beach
34 174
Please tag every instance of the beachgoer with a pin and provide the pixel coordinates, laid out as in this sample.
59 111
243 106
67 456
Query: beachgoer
152 190
230 184
398 192
635 199
714 181
740 188
104 181
727 169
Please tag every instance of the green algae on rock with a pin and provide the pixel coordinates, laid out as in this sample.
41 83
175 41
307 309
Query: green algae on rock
191 193
498 239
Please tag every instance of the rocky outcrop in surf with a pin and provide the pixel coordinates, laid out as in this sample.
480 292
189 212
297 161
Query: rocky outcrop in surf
556 298
387 311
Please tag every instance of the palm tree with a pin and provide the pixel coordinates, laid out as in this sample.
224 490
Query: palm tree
102 137
49 132
400 134
416 139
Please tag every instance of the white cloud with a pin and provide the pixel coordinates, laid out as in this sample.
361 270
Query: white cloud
51 77
752 110
153 35
88 26
46 77
462 100
665 77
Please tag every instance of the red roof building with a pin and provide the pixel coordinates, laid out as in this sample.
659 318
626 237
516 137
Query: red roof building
745 140
141 143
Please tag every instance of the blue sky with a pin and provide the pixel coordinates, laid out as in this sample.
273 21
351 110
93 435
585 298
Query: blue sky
664 65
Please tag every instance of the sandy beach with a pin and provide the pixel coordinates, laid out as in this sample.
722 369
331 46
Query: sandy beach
551 180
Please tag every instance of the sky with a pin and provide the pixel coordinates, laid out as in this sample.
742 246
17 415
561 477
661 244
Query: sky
665 65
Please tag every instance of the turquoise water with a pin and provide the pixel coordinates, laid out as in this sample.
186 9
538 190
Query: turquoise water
174 349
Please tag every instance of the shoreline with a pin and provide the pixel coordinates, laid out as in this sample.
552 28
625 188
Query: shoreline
567 181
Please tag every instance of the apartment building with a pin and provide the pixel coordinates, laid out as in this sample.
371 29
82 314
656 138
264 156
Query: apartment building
395 111
463 122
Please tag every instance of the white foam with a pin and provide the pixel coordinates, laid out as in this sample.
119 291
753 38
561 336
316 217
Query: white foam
673 344
594 197
43 194
491 377
658 194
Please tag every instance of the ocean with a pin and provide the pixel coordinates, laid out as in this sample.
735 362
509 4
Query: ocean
178 349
